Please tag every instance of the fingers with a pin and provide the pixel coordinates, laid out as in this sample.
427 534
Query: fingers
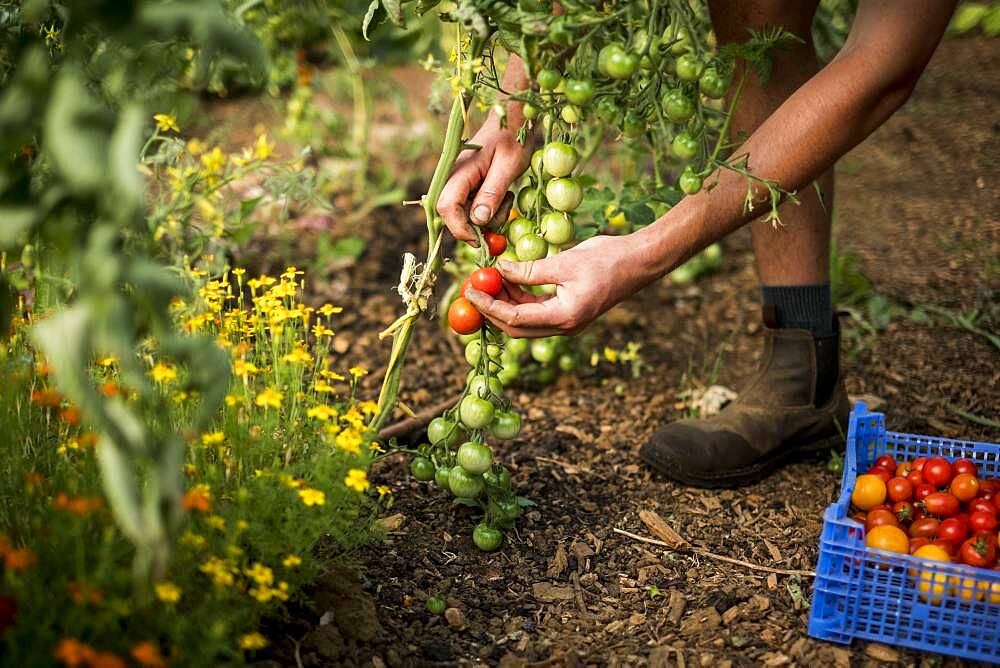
537 272
503 211
528 315
515 294
451 203
502 172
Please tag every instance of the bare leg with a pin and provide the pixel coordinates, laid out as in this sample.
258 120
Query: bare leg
796 253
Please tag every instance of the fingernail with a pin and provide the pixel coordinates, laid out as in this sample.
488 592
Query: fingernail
481 213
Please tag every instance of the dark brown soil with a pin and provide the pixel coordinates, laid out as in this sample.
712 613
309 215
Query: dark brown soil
918 202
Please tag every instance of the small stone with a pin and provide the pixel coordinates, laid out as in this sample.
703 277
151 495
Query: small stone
456 619
548 592
637 618
377 662
882 653
615 626
392 522
701 621
731 615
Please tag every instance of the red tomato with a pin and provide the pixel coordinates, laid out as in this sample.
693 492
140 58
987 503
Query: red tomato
463 316
983 521
981 505
881 506
859 518
989 486
466 284
904 469
496 243
877 518
917 543
488 280
903 510
965 466
937 471
915 477
945 545
942 504
918 463
980 550
886 462
922 491
924 528
964 486
885 474
952 530
918 513
996 502
899 489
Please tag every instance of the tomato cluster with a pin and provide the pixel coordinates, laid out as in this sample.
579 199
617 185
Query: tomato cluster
935 509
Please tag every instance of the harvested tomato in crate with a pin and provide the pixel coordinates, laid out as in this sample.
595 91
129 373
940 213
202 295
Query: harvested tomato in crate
908 553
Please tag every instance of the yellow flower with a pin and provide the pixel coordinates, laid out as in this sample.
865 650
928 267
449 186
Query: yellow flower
610 355
239 271
216 522
368 407
195 147
319 331
213 438
321 412
214 161
614 219
383 490
349 440
291 561
312 497
244 368
330 309
260 574
168 592
332 375
289 480
232 400
163 373
323 386
107 360
252 641
298 355
269 398
242 525
194 540
358 371
263 150
357 480
221 571
166 123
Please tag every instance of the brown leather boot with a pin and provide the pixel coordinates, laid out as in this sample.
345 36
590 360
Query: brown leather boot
774 421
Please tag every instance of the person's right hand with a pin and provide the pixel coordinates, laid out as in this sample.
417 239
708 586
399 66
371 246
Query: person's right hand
481 177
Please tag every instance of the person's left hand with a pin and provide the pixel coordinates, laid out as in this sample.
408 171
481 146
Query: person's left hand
590 278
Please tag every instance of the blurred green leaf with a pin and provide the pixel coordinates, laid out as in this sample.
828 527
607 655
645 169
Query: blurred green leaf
76 134
17 221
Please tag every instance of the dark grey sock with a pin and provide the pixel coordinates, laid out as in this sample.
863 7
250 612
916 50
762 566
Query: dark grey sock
806 307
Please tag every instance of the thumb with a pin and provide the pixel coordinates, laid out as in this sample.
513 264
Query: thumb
491 193
537 272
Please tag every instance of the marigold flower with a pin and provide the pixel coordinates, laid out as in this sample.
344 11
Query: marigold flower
349 440
166 123
70 415
213 438
214 161
358 371
357 479
194 540
47 398
197 498
291 561
147 654
216 522
269 398
263 149
163 373
82 592
72 653
312 497
221 571
107 361
260 573
109 388
252 641
330 309
168 592
107 660
321 412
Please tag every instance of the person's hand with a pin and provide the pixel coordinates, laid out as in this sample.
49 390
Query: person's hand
478 183
590 278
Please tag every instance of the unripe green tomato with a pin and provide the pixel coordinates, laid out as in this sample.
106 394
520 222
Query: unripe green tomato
553 251
684 146
486 537
683 274
655 54
570 114
509 373
473 352
476 458
475 413
559 159
441 477
543 351
634 125
617 62
688 67
506 425
466 338
559 32
677 106
563 194
547 122
529 111
579 91
519 228
608 111
28 256
531 247
442 430
545 375
422 469
518 346
682 37
557 228
537 163
526 200
463 484
567 362
548 79
435 605
712 85
510 508
483 387
689 182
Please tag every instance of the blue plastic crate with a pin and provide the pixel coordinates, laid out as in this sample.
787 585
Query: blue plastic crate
874 595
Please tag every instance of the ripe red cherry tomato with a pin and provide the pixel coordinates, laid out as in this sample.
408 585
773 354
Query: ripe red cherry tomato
945 545
980 550
996 502
466 284
922 491
880 472
877 518
488 280
916 477
963 518
903 510
917 543
496 243
463 316
989 486
904 469
964 486
941 504
965 466
982 505
918 463
899 489
924 528
886 462
983 521
937 471
952 530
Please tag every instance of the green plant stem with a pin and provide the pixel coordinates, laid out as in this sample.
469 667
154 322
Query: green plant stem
362 117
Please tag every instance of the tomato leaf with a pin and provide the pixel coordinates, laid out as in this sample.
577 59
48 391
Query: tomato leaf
524 501
394 9
374 17
462 501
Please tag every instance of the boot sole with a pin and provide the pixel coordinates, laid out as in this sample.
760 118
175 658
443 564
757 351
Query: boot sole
757 471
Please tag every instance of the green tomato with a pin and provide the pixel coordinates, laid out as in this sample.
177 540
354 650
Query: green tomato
509 373
543 351
509 507
545 375
570 114
466 338
563 194
536 163
689 182
506 425
486 537
529 111
557 228
463 484
688 67
422 469
683 274
680 40
684 146
475 413
435 605
526 199
548 79
517 229
559 159
474 352
608 111
443 430
559 32
713 256
531 247
640 40
483 387
567 362
634 125
476 458
711 84
579 91
617 62
677 106
517 346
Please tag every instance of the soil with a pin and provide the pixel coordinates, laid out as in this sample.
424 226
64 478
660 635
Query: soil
918 202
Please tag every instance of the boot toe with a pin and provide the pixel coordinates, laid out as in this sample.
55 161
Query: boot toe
689 449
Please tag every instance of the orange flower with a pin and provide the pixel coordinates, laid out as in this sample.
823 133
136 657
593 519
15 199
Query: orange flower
87 439
70 415
78 505
81 592
107 660
43 369
34 479
110 389
74 653
198 499
148 654
19 559
46 398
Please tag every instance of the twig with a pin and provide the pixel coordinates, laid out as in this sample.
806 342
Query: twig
972 417
412 424
711 555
